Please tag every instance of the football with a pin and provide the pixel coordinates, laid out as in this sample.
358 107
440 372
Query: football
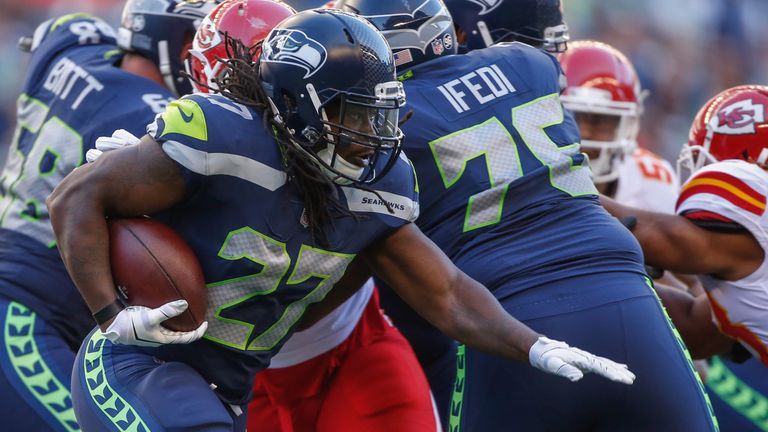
152 265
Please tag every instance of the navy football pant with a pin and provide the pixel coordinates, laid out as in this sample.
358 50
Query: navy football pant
119 388
739 394
493 394
36 365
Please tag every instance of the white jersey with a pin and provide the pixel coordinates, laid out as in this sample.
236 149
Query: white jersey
325 334
648 182
735 191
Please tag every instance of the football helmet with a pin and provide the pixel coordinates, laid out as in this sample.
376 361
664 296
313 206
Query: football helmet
249 21
301 5
486 22
731 125
601 81
160 30
331 78
416 31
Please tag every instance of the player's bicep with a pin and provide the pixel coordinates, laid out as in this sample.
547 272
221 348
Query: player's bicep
135 180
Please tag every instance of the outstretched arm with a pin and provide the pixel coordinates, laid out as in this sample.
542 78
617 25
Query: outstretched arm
674 243
464 309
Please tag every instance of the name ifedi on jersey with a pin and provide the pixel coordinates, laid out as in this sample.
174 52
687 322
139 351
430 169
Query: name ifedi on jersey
481 85
66 76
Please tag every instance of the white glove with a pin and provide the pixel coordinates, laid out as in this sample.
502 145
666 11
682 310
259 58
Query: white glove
142 326
558 358
119 139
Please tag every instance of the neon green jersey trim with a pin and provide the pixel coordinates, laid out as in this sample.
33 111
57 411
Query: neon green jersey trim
737 394
32 369
457 402
688 358
69 17
122 415
185 117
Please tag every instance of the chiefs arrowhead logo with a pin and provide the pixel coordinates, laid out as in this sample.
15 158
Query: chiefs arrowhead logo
207 35
738 118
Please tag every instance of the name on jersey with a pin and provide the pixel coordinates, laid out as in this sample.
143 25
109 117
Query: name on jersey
375 201
480 86
67 79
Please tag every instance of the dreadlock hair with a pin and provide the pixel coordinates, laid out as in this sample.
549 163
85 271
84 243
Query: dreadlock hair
241 83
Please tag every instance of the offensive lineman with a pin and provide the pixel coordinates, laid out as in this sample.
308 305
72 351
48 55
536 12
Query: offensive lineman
507 195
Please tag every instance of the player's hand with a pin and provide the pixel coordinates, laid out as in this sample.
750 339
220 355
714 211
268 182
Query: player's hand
119 139
139 325
558 358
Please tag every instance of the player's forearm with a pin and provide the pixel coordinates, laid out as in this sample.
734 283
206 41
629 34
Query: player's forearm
692 318
425 278
666 240
83 240
474 317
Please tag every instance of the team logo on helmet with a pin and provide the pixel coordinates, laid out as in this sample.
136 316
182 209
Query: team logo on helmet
738 118
207 35
294 47
487 5
422 37
194 8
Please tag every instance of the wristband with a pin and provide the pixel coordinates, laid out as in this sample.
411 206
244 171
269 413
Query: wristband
107 312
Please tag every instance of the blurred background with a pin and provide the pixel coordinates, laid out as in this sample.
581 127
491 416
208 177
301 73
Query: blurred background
684 50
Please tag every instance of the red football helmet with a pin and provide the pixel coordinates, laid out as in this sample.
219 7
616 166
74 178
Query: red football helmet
603 82
731 125
250 21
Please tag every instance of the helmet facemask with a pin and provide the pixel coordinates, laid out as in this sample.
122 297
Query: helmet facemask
620 126
357 130
161 31
551 39
694 156
202 73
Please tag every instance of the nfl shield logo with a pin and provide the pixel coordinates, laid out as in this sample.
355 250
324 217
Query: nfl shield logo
437 47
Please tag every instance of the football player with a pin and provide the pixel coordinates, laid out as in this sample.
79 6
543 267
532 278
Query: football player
351 354
719 229
506 193
604 94
277 211
83 81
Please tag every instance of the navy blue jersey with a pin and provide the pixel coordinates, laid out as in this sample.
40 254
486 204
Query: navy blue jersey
246 224
505 191
73 94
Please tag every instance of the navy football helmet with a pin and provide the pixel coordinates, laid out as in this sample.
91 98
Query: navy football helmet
331 78
301 5
417 31
486 22
159 31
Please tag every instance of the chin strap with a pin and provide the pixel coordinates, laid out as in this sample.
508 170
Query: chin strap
339 164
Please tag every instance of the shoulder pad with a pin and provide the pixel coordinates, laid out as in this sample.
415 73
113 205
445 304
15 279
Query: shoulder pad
73 29
730 189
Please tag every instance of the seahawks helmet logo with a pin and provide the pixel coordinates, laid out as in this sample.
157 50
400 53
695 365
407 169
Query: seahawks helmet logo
294 47
487 5
427 34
